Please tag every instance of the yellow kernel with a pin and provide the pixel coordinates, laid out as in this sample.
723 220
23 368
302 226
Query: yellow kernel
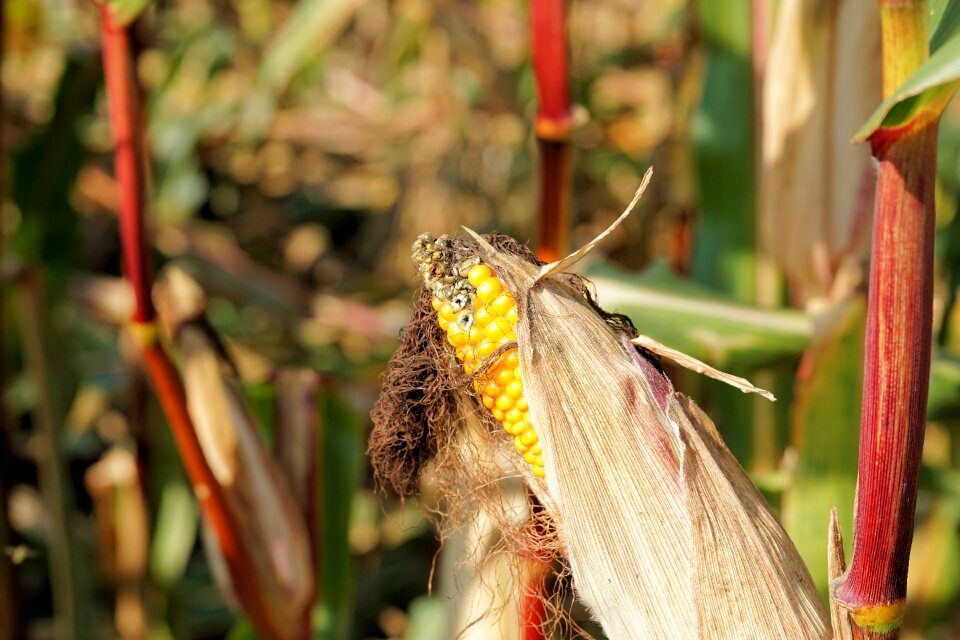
508 426
503 376
486 348
476 335
482 317
504 403
538 460
456 335
444 323
511 316
538 471
502 304
515 416
447 312
498 414
467 367
514 389
537 450
489 402
528 437
478 274
529 457
436 303
526 416
522 448
498 329
522 404
513 360
489 289
518 427
490 388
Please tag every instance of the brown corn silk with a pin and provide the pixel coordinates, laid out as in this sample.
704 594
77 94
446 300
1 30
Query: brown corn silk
663 532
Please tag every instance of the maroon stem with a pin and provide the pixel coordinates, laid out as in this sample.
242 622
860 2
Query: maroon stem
896 380
128 159
553 126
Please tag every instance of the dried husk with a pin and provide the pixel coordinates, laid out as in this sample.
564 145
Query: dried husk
665 534
257 495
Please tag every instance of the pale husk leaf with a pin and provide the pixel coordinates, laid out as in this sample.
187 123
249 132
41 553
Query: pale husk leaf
665 534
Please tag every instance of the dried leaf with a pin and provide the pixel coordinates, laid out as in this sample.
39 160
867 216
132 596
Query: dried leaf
689 362
267 519
822 80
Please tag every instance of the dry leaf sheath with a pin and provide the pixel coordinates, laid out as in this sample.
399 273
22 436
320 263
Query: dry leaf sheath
664 533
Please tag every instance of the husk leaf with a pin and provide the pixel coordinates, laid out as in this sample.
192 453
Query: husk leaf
665 534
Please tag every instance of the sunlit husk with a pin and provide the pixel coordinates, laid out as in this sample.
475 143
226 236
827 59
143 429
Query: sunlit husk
665 534
258 497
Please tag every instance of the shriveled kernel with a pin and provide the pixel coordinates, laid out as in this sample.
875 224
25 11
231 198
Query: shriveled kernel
478 274
489 289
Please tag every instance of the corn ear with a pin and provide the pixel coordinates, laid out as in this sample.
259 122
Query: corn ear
665 534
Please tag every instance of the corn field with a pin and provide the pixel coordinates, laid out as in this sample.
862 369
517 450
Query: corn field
357 319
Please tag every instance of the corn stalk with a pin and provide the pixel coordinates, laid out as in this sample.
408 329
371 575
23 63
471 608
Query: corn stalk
903 139
246 556
554 125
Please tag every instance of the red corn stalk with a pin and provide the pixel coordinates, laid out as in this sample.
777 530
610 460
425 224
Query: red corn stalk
128 158
170 392
553 125
897 360
167 383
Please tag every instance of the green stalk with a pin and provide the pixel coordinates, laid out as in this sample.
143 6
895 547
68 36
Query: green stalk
50 464
898 345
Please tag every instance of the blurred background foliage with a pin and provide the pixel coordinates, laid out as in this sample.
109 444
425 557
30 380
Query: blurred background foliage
297 149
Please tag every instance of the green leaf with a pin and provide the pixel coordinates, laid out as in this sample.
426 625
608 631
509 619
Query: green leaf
339 460
698 321
825 435
926 93
944 22
126 11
